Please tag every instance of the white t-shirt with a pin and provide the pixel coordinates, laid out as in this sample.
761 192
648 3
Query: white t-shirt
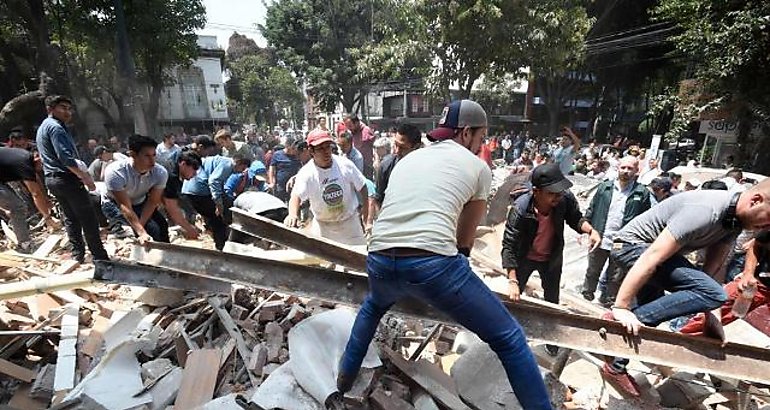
426 193
331 191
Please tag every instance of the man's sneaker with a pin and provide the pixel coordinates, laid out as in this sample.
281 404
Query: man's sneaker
551 350
25 247
621 381
589 296
605 301
345 383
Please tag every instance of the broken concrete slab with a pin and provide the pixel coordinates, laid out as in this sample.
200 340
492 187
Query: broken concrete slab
316 344
482 382
423 401
222 403
281 390
114 381
165 390
156 368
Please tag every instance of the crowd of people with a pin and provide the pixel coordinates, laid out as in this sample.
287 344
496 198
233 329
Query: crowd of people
415 201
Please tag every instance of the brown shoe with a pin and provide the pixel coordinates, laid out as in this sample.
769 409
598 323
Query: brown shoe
621 381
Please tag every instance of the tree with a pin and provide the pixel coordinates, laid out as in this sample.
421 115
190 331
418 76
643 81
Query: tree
314 40
729 48
260 89
161 34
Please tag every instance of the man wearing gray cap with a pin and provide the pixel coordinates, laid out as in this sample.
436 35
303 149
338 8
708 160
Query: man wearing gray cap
420 244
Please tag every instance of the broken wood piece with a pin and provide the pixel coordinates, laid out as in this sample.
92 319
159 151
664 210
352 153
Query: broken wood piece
67 355
232 329
48 246
16 371
198 378
93 344
434 387
66 267
433 332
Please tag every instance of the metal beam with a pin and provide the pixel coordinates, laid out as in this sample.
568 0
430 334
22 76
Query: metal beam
541 323
323 248
150 277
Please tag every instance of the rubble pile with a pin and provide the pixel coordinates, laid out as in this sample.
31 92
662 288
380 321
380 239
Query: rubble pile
69 342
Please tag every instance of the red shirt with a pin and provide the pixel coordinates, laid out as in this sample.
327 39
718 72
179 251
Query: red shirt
486 154
541 246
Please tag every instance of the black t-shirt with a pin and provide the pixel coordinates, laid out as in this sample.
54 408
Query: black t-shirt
383 177
16 164
174 184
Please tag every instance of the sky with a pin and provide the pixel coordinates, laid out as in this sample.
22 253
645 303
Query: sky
226 16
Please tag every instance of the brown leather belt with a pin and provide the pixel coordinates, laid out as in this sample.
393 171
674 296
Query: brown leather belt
405 252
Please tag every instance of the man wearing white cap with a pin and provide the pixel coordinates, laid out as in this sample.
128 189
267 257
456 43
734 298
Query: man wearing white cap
335 188
420 244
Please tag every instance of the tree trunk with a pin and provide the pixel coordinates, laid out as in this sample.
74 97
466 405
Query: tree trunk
153 107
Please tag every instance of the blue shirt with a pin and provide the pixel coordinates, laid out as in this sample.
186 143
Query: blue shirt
211 178
56 146
256 168
358 159
285 168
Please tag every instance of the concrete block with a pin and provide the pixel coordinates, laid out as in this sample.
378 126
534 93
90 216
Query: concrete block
423 401
274 341
153 369
164 391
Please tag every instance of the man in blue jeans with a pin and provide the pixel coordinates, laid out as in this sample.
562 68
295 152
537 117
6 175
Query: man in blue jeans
419 247
135 188
66 181
651 249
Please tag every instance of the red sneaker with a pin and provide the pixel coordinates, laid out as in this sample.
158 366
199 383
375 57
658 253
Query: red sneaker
621 381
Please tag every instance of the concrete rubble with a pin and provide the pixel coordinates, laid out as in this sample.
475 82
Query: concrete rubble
126 347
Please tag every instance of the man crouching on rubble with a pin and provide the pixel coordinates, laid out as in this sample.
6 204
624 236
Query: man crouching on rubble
663 282
420 244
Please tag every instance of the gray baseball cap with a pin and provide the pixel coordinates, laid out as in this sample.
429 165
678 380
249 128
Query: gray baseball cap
459 114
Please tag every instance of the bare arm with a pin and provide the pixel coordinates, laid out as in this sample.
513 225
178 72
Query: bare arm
292 219
363 198
124 203
271 175
469 219
175 213
41 201
154 198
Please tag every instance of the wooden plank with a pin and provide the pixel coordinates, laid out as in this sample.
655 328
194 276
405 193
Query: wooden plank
48 246
232 329
93 344
429 383
16 371
66 267
199 378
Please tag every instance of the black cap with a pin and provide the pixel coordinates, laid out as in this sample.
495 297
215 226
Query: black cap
98 151
550 178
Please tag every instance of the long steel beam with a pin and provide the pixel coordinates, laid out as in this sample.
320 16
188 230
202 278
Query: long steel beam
541 323
323 248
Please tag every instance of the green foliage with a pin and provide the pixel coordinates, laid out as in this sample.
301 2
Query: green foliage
728 43
314 40
262 91
161 34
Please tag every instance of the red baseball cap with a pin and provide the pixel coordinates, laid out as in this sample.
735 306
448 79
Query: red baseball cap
318 137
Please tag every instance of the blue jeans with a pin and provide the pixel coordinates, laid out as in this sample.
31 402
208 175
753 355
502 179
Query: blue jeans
690 290
156 226
448 284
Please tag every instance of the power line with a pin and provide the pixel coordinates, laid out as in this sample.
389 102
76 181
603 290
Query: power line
620 33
